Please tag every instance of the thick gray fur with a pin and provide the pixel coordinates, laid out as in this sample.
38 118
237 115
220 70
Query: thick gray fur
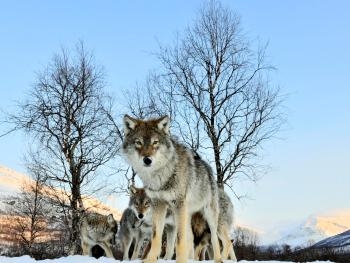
175 180
133 229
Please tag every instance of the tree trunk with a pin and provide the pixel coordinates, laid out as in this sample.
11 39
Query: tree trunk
74 235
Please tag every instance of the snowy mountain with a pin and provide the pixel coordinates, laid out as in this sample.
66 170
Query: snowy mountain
341 240
11 183
314 229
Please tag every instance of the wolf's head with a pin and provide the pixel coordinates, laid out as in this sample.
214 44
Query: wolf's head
147 144
112 223
99 228
139 202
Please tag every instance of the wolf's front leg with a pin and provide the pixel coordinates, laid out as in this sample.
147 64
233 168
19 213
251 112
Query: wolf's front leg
107 249
126 247
190 239
137 246
181 220
86 249
158 218
170 242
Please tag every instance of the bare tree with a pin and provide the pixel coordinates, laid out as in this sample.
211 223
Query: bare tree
28 213
246 243
69 117
217 89
245 237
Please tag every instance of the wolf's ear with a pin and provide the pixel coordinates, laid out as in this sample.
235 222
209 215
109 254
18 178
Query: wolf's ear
110 219
133 189
163 124
129 124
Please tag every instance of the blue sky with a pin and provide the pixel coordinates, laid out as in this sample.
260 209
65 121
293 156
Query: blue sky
308 43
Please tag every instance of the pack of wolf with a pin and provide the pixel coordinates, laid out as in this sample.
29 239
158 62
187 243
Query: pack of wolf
179 212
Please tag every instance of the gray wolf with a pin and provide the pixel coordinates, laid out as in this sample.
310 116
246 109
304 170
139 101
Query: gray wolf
136 225
97 229
173 179
201 237
202 233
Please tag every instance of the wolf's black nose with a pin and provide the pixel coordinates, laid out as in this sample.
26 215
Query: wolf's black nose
112 241
140 216
147 161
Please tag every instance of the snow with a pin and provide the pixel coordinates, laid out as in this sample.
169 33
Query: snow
86 259
341 240
10 181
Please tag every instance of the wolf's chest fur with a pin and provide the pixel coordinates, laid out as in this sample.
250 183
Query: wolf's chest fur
170 181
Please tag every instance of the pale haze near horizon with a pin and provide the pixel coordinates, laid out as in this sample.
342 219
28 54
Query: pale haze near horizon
308 44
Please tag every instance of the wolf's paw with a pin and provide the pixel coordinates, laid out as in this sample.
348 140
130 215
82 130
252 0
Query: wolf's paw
168 257
148 260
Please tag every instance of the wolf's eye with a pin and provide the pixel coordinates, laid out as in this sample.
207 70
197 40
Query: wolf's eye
155 142
147 203
138 143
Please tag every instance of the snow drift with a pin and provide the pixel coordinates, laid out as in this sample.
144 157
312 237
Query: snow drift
85 259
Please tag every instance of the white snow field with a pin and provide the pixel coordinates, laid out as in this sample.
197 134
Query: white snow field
86 259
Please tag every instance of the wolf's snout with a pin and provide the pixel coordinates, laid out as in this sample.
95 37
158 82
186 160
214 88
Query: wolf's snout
147 161
112 241
140 216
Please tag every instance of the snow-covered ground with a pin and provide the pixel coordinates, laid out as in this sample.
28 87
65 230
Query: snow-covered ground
85 259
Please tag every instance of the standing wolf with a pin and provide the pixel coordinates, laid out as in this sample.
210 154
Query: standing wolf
97 229
173 179
202 233
135 224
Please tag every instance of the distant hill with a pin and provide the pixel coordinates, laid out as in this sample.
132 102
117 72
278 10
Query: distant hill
340 241
11 183
316 228
309 231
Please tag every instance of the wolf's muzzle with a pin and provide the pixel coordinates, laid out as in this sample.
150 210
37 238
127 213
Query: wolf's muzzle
147 161
112 241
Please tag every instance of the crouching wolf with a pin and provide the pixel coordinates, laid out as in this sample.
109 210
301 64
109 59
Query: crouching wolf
174 180
97 229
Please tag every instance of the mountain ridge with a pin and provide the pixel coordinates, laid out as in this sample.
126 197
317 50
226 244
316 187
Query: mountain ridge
341 240
12 182
311 230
